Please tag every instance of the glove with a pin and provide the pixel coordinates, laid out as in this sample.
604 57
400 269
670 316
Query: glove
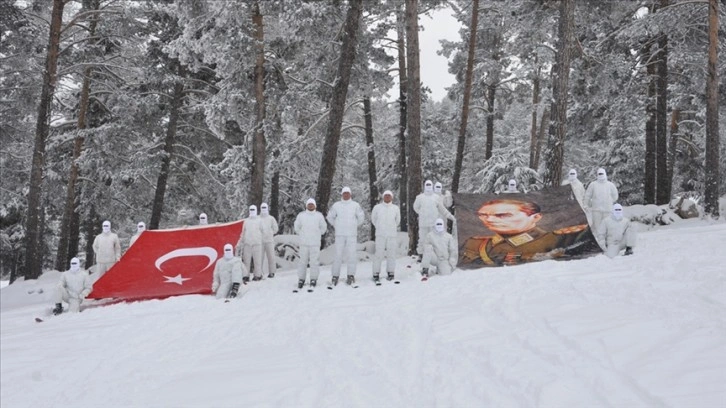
233 291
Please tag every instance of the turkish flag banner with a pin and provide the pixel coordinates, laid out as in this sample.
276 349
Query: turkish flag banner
171 262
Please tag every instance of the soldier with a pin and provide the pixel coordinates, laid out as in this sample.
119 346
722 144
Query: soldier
518 239
250 241
227 274
429 208
578 190
107 249
600 196
309 227
617 233
269 229
445 197
202 219
140 227
345 216
73 287
511 187
386 218
441 251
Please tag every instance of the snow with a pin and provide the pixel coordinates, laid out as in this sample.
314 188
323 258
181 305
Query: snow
639 331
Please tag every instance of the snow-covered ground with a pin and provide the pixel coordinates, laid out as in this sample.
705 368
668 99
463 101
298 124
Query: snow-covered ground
642 331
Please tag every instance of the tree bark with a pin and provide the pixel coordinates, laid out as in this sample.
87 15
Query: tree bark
491 95
257 179
92 228
372 179
533 131
33 256
413 117
650 129
712 135
161 182
337 104
662 189
64 251
544 124
402 103
673 146
461 143
560 81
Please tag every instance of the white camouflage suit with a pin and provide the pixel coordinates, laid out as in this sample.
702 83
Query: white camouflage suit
226 272
386 217
600 196
441 251
309 227
616 233
251 243
578 190
107 248
269 229
429 207
345 216
73 287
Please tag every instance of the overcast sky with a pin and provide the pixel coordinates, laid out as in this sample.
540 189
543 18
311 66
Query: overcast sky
435 68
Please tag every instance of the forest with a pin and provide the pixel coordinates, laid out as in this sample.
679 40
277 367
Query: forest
157 111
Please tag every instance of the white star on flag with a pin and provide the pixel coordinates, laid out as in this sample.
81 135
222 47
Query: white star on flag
178 279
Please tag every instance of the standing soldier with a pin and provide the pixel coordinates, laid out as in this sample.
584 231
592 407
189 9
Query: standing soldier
600 196
441 251
73 287
446 199
617 233
428 208
345 216
107 248
386 217
227 274
251 243
140 227
269 229
202 219
511 187
578 190
309 226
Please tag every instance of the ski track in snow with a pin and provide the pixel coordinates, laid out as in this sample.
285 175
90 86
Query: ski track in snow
642 331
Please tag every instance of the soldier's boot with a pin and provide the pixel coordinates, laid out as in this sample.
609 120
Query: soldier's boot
390 276
300 283
257 278
245 280
425 272
58 309
335 280
376 277
350 280
628 251
233 291
271 275
313 282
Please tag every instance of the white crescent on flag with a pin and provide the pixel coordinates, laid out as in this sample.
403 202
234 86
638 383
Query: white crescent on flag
209 252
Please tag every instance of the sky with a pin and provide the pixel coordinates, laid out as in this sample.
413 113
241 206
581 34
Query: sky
440 25
647 330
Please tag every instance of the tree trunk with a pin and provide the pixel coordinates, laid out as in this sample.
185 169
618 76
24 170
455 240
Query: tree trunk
92 229
402 84
650 128
257 179
372 179
158 204
560 81
461 143
33 256
662 189
533 142
712 135
64 238
544 124
673 146
413 117
337 104
491 95
74 231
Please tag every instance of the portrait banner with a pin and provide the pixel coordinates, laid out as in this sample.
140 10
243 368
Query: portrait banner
169 262
510 229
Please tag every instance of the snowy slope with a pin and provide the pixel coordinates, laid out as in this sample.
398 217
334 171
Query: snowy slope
641 331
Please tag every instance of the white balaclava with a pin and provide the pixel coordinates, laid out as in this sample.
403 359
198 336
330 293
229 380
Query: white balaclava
428 187
618 212
228 251
75 265
253 211
572 175
512 186
439 226
140 227
310 201
106 226
601 174
438 187
388 193
264 210
202 219
345 189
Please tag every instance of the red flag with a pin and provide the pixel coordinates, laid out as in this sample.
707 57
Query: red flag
171 262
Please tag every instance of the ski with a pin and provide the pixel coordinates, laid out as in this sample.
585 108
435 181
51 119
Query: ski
39 320
424 278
